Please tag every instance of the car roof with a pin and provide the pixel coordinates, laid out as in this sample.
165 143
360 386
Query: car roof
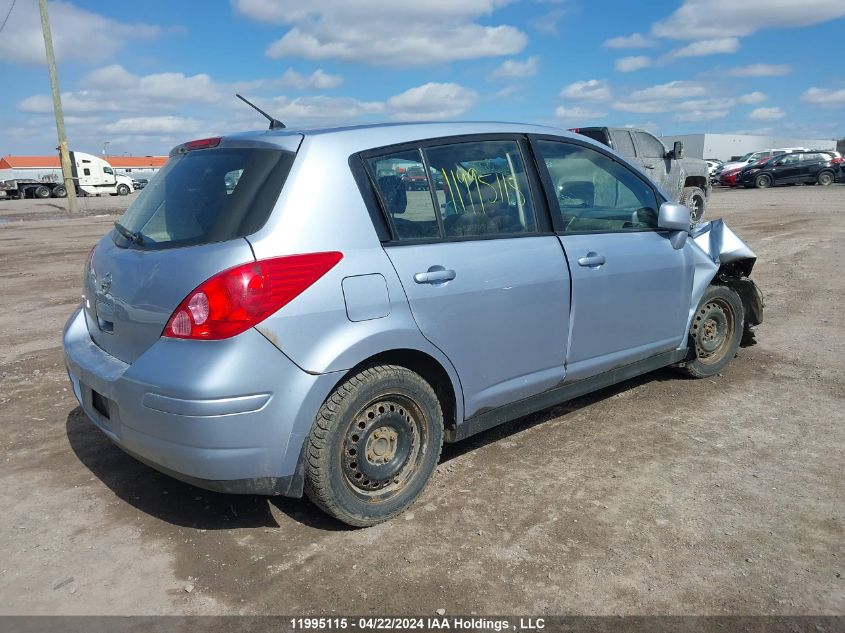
380 134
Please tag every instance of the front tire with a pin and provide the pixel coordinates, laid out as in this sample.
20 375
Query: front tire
693 198
123 190
763 181
374 445
715 333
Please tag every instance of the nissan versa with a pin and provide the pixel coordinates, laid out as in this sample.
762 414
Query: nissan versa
277 313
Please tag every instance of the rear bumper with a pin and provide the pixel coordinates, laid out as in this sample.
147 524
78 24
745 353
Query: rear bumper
230 415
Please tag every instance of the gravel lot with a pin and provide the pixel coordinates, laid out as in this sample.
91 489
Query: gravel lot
661 495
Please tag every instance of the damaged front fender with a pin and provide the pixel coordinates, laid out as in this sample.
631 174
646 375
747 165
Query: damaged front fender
719 253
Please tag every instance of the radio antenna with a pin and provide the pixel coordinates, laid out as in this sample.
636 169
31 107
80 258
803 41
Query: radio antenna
275 124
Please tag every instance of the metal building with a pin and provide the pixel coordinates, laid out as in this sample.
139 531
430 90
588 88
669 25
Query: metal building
726 146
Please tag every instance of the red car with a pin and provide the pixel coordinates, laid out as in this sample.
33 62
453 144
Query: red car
728 178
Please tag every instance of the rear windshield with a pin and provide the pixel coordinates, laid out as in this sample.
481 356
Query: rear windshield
205 196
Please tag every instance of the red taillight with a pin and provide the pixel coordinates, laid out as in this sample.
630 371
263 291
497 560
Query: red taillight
838 160
203 143
237 299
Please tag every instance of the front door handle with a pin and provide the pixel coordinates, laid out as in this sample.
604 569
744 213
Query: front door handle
435 275
591 260
649 166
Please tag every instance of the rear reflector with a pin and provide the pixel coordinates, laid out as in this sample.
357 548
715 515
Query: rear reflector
237 299
203 143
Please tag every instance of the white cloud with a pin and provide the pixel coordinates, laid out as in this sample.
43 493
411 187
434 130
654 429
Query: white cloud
403 34
630 64
432 101
707 47
318 80
671 90
513 69
577 113
78 34
590 90
752 97
766 114
701 115
824 97
153 125
711 19
635 40
322 109
706 104
643 107
761 70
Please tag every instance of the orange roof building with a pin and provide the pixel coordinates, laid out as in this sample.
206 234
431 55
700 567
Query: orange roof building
52 162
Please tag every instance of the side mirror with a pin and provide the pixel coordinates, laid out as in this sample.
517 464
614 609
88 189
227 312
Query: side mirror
678 149
674 217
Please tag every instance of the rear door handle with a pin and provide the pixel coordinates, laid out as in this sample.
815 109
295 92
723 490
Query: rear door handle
435 275
592 259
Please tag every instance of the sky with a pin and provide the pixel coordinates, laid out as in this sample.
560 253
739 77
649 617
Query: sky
138 79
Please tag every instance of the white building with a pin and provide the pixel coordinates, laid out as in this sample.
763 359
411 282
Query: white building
726 146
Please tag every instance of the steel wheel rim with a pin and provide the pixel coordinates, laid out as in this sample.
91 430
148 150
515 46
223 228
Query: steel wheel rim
763 181
825 179
383 447
712 331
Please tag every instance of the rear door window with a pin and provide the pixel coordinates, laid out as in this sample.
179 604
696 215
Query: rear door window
623 143
485 188
205 196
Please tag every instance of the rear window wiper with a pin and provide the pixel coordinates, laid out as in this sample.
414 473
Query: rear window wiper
135 238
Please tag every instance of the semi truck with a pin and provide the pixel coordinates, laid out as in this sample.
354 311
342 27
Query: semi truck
92 176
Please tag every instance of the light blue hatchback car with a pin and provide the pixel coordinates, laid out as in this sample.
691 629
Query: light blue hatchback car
318 310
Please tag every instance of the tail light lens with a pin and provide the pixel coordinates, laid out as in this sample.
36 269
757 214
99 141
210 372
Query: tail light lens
237 299
838 160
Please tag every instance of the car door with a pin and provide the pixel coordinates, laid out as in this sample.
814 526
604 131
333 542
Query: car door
484 274
808 167
787 169
630 287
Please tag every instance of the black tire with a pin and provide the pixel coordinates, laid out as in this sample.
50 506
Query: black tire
716 332
693 198
374 445
825 178
59 192
123 190
41 192
763 181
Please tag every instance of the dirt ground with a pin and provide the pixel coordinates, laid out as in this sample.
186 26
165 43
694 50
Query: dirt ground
662 495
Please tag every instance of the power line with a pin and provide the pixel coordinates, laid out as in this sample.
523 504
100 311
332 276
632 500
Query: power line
8 13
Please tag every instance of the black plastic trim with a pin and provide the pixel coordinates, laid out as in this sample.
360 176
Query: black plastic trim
368 194
562 393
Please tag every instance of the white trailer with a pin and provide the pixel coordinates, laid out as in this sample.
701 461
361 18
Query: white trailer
92 176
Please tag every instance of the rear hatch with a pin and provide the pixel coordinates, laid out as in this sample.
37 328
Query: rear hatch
186 225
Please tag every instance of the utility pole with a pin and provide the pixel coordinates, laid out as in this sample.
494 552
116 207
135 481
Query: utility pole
67 173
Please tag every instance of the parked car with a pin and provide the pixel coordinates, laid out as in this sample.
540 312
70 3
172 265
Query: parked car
713 166
819 167
415 179
139 183
287 338
752 157
686 180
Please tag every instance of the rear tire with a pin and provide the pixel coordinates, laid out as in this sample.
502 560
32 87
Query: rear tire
763 181
374 445
715 333
693 198
123 190
41 192
825 178
60 192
